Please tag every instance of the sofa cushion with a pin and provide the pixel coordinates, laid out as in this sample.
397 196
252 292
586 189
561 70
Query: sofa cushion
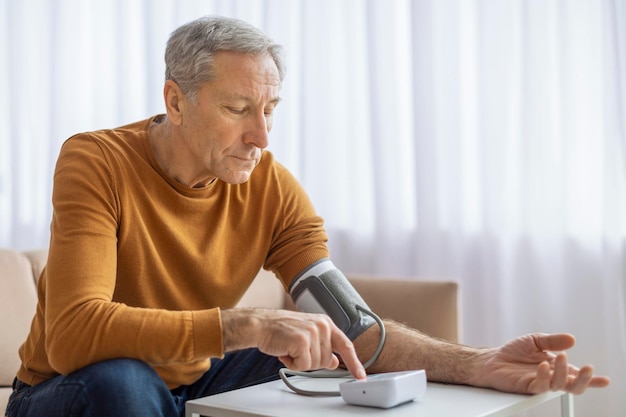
265 291
18 299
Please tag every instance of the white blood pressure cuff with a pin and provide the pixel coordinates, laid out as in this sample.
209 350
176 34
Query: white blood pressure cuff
322 288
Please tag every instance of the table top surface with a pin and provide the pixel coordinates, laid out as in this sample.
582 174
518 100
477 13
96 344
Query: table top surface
441 400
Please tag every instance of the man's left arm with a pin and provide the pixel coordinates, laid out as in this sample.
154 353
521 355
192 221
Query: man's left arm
526 364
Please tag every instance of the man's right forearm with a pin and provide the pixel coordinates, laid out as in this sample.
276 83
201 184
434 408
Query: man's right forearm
239 328
302 341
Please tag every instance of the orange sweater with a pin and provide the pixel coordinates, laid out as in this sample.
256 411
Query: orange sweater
139 265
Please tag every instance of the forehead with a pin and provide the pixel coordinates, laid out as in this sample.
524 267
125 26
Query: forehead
236 72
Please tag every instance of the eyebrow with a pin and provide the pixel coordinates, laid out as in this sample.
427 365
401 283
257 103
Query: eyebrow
273 101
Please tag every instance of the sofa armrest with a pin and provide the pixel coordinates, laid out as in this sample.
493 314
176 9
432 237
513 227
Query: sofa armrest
38 259
18 300
430 306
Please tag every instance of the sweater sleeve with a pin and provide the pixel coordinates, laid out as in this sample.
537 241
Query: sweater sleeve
83 324
299 238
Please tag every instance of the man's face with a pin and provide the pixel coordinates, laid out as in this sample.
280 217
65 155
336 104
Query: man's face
226 128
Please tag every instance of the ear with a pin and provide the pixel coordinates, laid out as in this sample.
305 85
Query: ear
174 97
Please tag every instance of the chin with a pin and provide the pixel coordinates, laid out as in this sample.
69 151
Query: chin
236 177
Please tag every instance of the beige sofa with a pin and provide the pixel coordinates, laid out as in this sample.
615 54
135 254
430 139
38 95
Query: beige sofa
427 305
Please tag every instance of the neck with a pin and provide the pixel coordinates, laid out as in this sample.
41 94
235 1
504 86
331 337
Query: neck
169 158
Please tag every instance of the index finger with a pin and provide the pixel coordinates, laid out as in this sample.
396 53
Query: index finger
344 347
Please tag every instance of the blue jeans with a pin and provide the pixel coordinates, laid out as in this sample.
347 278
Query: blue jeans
128 387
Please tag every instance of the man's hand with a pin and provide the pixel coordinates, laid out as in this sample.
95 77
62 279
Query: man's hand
301 341
527 365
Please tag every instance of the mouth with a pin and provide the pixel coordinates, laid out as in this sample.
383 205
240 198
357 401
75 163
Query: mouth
247 158
246 162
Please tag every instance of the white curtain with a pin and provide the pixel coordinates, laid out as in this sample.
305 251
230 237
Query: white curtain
481 141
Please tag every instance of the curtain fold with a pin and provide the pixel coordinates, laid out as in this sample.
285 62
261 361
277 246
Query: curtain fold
481 141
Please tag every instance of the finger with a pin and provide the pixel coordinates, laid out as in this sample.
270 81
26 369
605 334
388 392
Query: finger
554 342
324 349
300 352
541 383
581 382
315 350
334 362
344 347
287 361
599 382
300 363
328 359
560 375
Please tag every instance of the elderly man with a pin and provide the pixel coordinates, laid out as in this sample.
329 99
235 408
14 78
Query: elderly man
160 226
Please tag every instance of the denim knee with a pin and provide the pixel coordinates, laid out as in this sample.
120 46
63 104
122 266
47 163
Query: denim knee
115 375
122 387
118 387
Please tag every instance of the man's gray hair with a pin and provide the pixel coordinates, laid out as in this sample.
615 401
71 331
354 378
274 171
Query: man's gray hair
191 49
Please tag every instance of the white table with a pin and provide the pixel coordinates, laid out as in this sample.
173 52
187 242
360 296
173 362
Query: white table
276 400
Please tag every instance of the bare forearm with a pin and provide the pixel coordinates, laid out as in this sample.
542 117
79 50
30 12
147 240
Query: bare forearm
301 341
238 326
406 348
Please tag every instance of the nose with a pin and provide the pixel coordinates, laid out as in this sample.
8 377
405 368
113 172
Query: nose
258 130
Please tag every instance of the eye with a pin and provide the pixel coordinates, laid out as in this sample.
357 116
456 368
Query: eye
237 110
